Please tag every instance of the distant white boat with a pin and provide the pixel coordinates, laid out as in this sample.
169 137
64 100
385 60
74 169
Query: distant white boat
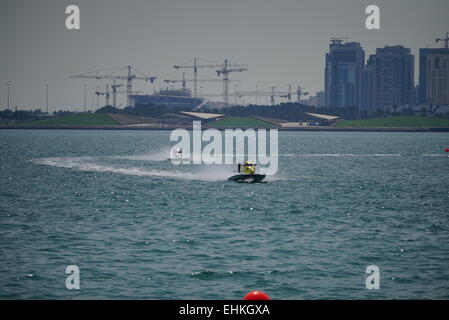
178 155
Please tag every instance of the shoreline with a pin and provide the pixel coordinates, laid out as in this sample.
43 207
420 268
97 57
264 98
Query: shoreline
205 127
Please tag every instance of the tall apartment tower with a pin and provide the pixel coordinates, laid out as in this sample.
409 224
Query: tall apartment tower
389 78
433 76
343 74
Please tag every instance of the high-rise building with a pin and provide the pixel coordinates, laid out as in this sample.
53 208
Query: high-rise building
389 78
433 76
320 99
437 74
315 101
343 74
369 85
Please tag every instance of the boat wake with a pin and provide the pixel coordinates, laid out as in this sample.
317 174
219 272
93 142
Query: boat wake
350 155
161 155
91 164
435 155
86 164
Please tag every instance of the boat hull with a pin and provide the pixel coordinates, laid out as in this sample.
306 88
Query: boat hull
247 178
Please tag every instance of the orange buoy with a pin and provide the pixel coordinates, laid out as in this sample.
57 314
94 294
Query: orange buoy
256 295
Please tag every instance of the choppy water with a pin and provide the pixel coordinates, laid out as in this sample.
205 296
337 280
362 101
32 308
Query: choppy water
139 227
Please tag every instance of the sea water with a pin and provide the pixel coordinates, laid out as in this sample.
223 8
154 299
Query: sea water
139 227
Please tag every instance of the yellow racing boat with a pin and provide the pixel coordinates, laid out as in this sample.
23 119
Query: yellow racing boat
247 173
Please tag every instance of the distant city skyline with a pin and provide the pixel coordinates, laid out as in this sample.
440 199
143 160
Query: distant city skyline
389 78
283 42
434 76
345 64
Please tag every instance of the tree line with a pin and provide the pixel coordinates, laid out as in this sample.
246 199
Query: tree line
28 115
293 111
285 111
149 110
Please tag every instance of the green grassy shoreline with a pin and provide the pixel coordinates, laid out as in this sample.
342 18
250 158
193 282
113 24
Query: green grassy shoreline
99 120
77 119
396 122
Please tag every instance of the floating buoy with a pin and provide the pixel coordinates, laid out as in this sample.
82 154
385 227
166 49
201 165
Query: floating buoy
446 150
256 295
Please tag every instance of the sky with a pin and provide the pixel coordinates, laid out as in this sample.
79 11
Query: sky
283 42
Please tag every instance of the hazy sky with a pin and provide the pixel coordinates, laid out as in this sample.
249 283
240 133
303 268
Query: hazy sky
283 41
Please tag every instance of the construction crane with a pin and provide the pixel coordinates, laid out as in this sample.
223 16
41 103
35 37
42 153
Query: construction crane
280 94
272 93
105 93
184 80
289 94
114 93
114 87
225 71
300 92
240 94
195 68
118 74
268 92
445 40
338 40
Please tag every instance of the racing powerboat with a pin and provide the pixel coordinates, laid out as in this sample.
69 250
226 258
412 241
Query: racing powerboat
247 173
177 154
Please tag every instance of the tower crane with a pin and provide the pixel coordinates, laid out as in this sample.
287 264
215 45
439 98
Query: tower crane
196 66
445 40
174 81
114 87
289 94
275 93
338 40
272 93
184 80
241 94
225 71
300 92
105 93
118 74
